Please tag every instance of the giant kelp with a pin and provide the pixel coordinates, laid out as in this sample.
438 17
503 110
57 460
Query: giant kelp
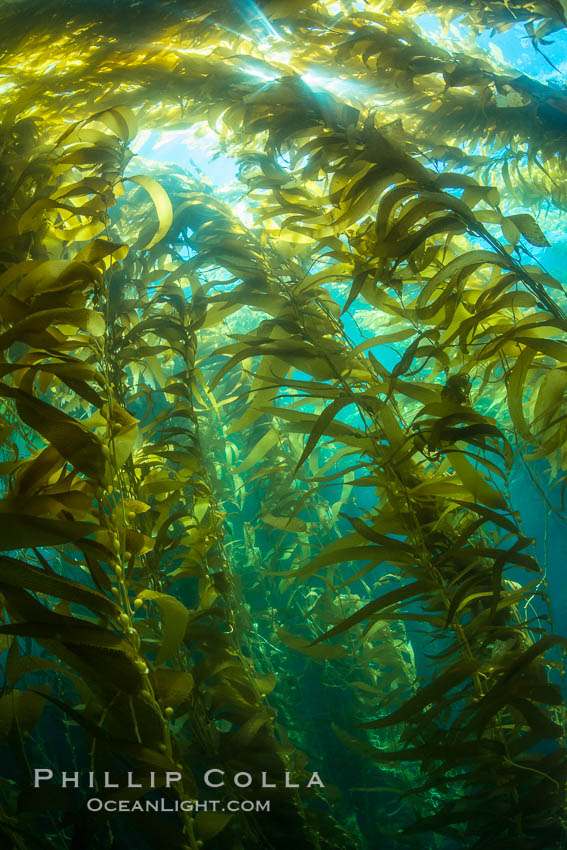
166 365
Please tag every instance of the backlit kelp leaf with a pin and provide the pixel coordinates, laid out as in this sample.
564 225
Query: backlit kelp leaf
162 205
469 261
97 250
18 531
498 519
122 444
475 482
136 543
73 373
304 646
266 683
164 327
371 534
175 618
515 389
339 553
19 573
526 332
385 339
258 452
24 330
120 120
303 423
102 157
432 693
419 391
528 227
410 243
375 181
411 591
171 686
550 347
28 220
34 277
483 435
285 523
71 439
293 352
470 591
323 421
512 555
77 502
549 399
268 378
135 506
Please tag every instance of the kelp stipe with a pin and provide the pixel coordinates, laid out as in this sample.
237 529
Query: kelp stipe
126 501
169 371
458 575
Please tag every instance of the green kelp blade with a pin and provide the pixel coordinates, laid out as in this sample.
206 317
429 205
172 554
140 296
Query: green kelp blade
410 591
20 574
451 678
18 531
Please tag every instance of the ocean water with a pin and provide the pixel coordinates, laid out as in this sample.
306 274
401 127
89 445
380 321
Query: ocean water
283 400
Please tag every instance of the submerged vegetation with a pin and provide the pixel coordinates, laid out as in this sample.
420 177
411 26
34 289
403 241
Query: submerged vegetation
257 441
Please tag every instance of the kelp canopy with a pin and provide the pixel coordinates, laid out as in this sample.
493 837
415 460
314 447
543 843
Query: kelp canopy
257 440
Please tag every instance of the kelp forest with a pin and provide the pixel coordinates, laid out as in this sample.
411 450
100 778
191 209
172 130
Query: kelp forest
284 463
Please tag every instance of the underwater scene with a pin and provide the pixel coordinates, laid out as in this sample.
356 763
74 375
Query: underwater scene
283 417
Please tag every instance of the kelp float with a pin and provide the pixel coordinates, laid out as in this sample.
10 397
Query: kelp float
228 526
